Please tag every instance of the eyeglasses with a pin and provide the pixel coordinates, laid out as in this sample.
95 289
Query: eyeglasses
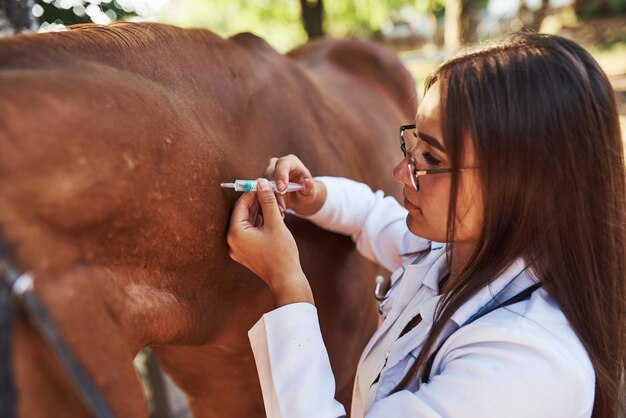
415 172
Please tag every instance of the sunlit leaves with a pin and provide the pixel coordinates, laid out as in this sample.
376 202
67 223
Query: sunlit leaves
278 21
97 11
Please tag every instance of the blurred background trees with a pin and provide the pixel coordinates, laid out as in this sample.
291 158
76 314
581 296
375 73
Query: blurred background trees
286 23
421 31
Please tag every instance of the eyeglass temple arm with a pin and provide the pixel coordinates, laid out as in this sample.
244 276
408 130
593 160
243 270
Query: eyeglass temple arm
433 171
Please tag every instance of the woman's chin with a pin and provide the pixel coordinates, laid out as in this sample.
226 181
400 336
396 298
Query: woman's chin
414 224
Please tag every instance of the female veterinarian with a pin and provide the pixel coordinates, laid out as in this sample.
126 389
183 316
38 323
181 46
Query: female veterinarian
508 296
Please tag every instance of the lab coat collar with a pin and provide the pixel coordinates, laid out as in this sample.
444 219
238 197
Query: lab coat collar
517 276
431 269
436 246
513 280
437 266
423 271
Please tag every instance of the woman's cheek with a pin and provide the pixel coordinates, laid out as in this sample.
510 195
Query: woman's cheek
429 223
470 211
432 221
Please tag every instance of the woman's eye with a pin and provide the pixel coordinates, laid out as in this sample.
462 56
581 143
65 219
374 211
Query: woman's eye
428 157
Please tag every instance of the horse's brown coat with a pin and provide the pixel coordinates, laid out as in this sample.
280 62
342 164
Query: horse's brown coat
112 143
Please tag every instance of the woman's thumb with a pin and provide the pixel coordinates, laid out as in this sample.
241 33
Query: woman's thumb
268 203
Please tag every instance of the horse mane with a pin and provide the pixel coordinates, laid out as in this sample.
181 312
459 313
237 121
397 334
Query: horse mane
129 39
119 35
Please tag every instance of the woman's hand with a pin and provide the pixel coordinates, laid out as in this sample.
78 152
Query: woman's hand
266 247
290 169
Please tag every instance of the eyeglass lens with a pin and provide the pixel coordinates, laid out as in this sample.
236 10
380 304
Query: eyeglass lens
408 137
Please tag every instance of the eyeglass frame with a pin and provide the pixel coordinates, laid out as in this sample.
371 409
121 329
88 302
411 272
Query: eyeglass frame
412 165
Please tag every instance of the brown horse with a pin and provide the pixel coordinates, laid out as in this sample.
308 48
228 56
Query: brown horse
113 142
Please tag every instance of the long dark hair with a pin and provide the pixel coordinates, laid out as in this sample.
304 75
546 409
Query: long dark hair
544 124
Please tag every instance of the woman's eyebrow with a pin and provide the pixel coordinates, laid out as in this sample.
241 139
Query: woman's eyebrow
431 141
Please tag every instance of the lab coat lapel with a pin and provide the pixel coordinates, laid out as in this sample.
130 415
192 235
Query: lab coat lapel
411 281
414 339
515 276
427 270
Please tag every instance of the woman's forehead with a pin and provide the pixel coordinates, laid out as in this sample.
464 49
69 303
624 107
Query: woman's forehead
428 121
428 111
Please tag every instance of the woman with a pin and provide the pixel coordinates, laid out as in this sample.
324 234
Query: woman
508 296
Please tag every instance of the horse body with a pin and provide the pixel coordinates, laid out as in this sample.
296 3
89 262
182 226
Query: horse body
112 143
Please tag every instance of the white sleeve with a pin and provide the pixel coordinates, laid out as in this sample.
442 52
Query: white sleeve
494 373
375 222
293 365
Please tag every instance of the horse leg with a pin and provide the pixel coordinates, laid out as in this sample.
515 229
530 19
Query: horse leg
97 341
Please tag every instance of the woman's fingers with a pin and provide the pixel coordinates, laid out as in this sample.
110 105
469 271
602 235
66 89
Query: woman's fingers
242 210
281 203
253 244
269 170
272 215
289 168
269 174
254 212
308 187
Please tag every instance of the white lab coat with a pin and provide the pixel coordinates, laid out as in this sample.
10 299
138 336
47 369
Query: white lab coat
520 361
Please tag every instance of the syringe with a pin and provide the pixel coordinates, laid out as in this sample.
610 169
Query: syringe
250 186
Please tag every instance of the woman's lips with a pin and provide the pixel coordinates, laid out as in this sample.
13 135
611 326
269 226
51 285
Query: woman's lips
409 206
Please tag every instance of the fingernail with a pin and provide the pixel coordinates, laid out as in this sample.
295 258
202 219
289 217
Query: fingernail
280 185
263 185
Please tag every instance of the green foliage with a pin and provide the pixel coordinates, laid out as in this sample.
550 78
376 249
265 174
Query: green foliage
69 12
437 7
589 9
368 17
277 21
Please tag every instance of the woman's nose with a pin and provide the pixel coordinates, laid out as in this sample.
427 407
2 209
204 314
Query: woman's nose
401 173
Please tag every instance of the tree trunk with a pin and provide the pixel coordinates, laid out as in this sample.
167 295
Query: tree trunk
584 8
312 17
16 16
538 16
531 19
452 30
603 8
579 5
469 22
